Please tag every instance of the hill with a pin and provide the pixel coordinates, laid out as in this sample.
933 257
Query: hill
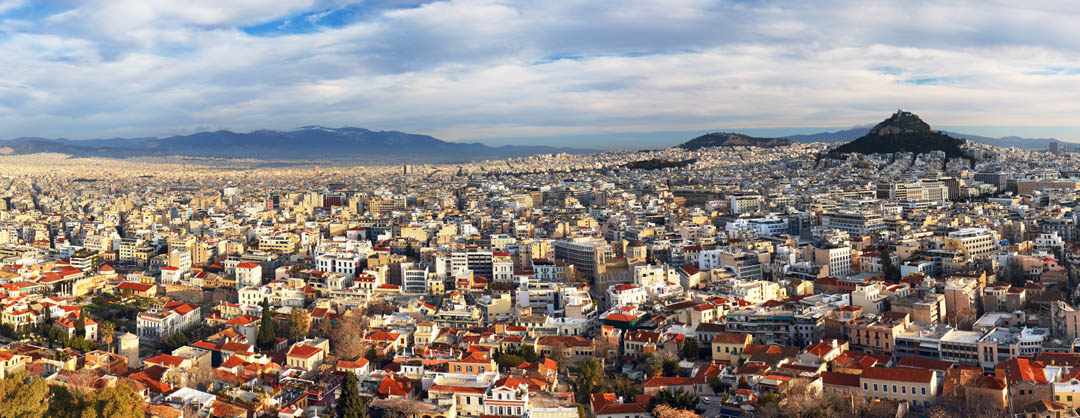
854 133
902 132
725 139
309 142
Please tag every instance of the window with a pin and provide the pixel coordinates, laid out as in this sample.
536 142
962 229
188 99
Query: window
875 387
903 389
894 388
865 386
923 391
885 388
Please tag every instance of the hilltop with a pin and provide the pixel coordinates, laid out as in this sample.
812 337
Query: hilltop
902 132
726 139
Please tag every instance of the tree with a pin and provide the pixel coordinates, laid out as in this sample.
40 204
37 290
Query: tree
23 396
267 336
590 378
654 366
891 271
57 335
108 333
670 367
625 388
299 323
718 386
80 325
690 349
349 403
347 337
79 343
664 411
679 399
507 361
117 401
528 352
177 340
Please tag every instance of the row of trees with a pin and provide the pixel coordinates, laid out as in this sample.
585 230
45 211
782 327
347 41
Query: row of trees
24 396
298 325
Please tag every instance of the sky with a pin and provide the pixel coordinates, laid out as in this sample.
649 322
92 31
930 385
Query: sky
589 73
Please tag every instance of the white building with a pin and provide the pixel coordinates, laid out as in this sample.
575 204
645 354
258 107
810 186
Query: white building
248 275
174 317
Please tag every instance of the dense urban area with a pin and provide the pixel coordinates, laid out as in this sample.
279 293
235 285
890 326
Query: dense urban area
716 282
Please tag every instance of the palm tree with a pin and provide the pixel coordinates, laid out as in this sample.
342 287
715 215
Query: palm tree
108 332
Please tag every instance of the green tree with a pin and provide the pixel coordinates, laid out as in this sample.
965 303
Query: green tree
22 396
267 336
57 335
691 350
590 378
528 352
108 333
117 401
891 271
679 399
718 386
670 367
507 361
80 325
299 323
177 340
349 402
79 343
654 366
371 355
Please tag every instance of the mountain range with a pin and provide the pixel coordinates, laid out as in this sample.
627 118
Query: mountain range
309 142
859 131
903 132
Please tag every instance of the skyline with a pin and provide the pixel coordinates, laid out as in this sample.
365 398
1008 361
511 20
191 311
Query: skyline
497 72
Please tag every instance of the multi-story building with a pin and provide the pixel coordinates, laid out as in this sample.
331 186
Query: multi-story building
855 223
588 255
916 386
172 318
972 242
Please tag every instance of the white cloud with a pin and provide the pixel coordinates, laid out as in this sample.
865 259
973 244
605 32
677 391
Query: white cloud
471 69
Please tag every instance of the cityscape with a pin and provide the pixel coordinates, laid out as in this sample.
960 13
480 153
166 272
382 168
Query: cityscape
507 215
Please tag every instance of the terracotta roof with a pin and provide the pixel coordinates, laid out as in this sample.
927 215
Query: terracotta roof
304 351
1022 369
840 379
662 381
730 338
988 382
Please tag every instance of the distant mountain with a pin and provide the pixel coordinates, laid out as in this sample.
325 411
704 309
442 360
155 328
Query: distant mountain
854 133
1009 141
309 142
830 137
902 132
725 139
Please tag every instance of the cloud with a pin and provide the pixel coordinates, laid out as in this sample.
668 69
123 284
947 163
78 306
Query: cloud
471 69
